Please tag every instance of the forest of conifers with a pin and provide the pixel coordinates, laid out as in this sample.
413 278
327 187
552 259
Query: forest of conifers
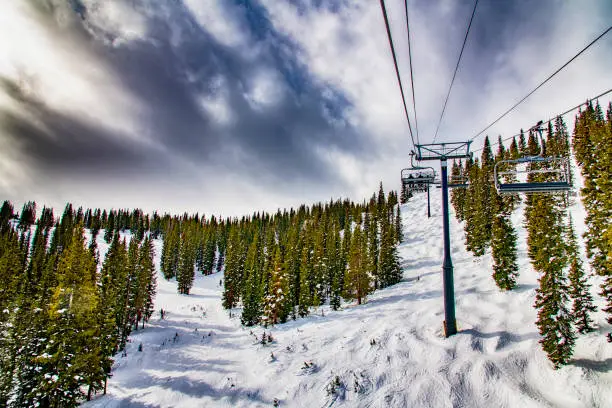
65 311
563 299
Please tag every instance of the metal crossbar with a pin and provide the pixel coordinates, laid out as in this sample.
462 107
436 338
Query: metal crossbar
443 151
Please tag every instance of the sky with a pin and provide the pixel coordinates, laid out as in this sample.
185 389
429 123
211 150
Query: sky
228 107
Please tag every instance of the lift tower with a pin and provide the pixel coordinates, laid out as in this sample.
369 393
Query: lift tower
443 152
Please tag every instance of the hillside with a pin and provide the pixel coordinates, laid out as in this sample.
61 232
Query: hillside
389 352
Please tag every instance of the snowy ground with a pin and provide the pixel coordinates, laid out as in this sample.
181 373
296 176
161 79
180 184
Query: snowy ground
389 352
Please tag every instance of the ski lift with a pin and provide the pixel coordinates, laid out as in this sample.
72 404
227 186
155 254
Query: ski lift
417 176
556 169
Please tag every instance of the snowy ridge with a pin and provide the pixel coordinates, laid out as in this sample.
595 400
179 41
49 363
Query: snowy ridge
389 352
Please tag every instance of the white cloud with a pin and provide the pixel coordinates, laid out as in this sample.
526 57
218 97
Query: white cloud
216 101
349 51
117 17
62 74
222 22
265 89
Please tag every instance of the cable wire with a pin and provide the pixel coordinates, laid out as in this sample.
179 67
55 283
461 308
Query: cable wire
399 79
553 118
456 69
542 83
416 122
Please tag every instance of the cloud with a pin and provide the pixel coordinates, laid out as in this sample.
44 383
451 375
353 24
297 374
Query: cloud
227 107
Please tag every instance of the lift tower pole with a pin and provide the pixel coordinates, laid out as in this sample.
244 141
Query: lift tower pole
443 152
450 323
428 205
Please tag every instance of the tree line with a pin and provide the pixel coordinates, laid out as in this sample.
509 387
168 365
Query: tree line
280 266
563 298
63 313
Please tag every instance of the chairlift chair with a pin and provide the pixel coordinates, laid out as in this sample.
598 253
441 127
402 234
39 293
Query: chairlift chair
417 176
558 173
556 168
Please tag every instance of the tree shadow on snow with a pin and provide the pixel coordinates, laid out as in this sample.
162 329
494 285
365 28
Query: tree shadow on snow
194 388
604 366
121 402
504 337
410 264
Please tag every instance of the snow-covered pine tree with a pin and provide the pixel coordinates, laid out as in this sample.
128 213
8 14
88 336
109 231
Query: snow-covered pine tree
276 306
71 360
579 291
554 319
503 247
592 144
544 218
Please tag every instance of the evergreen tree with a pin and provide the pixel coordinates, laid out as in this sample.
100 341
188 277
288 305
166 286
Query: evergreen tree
186 263
358 281
504 250
276 307
28 215
233 270
390 270
306 274
72 356
579 287
399 231
593 151
6 214
147 282
251 299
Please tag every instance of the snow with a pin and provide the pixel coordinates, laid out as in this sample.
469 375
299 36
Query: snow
389 352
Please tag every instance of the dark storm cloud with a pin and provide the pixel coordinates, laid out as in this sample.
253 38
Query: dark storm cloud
57 141
168 78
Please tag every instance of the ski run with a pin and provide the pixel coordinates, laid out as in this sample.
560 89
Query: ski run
389 352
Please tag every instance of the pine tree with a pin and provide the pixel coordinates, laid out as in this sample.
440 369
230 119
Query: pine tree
504 248
275 307
593 151
28 215
548 254
251 299
233 270
357 281
114 278
579 287
72 356
147 279
398 226
306 274
186 262
390 269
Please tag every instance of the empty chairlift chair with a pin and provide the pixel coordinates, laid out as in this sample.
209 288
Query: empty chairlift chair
555 170
538 174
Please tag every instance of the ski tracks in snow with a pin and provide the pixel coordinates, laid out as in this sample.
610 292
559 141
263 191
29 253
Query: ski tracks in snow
389 352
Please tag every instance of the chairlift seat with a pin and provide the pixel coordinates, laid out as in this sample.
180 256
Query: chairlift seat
544 187
559 173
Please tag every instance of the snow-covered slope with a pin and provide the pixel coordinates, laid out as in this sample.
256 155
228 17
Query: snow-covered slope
389 352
